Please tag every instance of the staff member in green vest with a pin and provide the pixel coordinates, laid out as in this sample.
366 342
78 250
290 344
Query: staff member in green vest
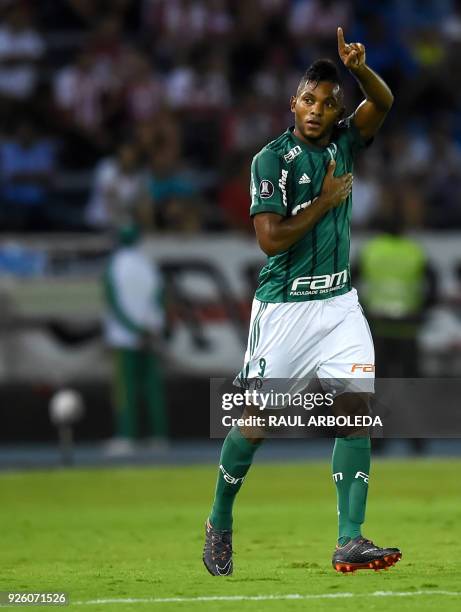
397 287
134 324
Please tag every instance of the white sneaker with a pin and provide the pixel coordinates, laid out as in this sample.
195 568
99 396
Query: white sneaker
157 444
119 447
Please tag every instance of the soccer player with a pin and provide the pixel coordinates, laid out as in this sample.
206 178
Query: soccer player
306 320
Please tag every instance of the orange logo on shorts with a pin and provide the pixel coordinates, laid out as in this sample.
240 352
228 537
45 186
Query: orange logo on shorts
365 367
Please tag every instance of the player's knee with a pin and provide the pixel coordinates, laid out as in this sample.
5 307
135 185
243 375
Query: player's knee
353 406
252 433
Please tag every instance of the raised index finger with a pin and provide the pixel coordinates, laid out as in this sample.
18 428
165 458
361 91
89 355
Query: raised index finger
341 41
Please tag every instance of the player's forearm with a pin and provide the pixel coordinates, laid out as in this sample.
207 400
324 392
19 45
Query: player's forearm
280 233
373 87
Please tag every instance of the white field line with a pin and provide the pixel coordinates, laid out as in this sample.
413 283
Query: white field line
295 596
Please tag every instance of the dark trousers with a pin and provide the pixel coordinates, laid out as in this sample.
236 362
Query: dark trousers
397 358
138 378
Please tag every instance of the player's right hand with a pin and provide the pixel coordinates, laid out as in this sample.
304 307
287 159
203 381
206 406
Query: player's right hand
336 189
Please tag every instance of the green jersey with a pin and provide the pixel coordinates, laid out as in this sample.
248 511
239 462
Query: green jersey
286 177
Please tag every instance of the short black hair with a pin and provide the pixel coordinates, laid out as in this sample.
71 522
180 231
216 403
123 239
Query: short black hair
320 70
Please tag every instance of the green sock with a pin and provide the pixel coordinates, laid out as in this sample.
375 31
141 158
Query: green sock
236 458
351 469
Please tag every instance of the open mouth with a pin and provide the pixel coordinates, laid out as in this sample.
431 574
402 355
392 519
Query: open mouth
312 123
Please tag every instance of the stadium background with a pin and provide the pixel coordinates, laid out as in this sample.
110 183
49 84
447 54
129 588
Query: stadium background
174 97
178 96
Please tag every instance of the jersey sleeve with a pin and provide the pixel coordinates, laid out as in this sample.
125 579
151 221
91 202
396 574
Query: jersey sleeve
268 184
351 137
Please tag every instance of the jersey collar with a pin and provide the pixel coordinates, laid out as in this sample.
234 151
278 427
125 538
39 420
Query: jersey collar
305 145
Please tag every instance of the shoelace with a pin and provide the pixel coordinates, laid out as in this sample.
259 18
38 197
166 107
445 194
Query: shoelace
365 541
220 548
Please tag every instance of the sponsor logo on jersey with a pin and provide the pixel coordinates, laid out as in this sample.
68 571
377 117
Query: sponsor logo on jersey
304 180
322 283
266 189
363 367
283 186
292 153
302 206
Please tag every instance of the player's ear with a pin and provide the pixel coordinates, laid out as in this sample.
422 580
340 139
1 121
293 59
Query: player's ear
293 103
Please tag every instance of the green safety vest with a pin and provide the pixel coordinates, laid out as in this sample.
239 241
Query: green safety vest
393 275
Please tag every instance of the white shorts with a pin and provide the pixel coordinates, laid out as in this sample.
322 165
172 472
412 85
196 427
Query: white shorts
298 341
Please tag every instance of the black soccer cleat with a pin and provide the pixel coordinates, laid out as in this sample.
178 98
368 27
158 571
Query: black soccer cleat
217 552
361 553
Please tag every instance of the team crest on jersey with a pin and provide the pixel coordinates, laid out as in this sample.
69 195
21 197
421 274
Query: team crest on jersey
292 153
266 189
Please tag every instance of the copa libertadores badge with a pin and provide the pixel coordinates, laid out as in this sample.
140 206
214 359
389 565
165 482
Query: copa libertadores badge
266 189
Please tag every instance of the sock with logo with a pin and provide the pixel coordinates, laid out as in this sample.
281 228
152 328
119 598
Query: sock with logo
351 469
236 458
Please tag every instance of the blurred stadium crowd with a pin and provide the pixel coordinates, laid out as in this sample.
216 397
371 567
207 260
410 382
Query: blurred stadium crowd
112 110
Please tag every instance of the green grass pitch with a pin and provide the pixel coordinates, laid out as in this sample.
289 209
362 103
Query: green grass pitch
138 534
